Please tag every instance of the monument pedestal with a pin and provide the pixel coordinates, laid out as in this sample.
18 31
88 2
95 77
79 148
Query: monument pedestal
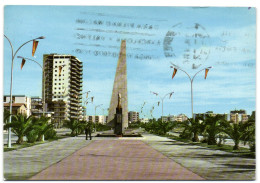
119 130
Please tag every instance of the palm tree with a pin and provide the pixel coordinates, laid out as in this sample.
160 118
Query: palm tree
249 134
41 125
235 131
6 116
192 128
20 126
74 125
213 127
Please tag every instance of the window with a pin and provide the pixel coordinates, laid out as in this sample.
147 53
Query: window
55 70
54 83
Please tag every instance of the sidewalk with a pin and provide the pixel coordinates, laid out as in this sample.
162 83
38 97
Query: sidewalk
116 160
23 163
139 158
208 163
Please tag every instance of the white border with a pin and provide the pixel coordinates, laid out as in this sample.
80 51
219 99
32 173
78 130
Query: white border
203 3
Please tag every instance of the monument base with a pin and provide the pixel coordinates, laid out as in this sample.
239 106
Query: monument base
127 133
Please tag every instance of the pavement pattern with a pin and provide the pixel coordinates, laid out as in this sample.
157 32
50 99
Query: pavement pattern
116 160
24 163
133 156
208 163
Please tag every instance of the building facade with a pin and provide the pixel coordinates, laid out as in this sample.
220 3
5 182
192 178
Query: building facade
144 120
133 117
17 102
237 116
98 119
209 113
172 118
62 80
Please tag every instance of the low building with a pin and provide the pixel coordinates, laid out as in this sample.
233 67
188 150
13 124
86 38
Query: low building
133 117
209 113
237 116
181 118
17 108
144 120
97 119
18 100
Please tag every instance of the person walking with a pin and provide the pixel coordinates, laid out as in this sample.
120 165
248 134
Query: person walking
88 130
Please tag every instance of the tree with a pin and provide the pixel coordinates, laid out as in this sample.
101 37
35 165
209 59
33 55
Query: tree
6 116
249 134
235 131
74 125
158 127
41 126
192 128
213 127
20 126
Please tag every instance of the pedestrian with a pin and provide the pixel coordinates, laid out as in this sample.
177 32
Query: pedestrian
88 130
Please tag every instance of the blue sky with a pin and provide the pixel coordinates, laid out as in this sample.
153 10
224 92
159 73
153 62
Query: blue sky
228 46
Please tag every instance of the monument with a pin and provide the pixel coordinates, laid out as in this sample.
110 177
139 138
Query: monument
118 130
119 87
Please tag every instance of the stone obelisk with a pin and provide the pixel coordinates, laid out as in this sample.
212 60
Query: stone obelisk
120 87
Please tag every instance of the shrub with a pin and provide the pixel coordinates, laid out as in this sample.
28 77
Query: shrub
32 136
50 134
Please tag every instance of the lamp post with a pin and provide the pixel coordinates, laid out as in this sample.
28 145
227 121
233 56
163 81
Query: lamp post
87 100
43 78
175 67
152 109
162 98
11 84
95 113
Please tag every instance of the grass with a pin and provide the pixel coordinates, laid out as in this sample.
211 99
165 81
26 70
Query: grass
245 152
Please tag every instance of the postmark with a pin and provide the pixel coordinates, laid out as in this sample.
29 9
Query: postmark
187 45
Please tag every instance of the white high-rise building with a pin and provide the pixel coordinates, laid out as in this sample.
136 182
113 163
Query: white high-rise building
62 78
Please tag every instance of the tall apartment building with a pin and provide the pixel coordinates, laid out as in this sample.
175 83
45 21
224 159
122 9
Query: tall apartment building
62 78
133 117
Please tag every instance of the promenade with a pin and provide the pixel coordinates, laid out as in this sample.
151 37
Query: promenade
138 158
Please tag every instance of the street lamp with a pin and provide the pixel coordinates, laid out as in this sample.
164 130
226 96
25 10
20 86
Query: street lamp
87 100
35 43
162 98
175 67
95 113
152 109
43 77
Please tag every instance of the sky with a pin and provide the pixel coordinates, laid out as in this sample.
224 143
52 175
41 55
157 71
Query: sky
156 37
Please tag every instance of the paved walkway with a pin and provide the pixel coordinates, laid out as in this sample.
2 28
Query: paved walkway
24 163
116 160
147 158
208 163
